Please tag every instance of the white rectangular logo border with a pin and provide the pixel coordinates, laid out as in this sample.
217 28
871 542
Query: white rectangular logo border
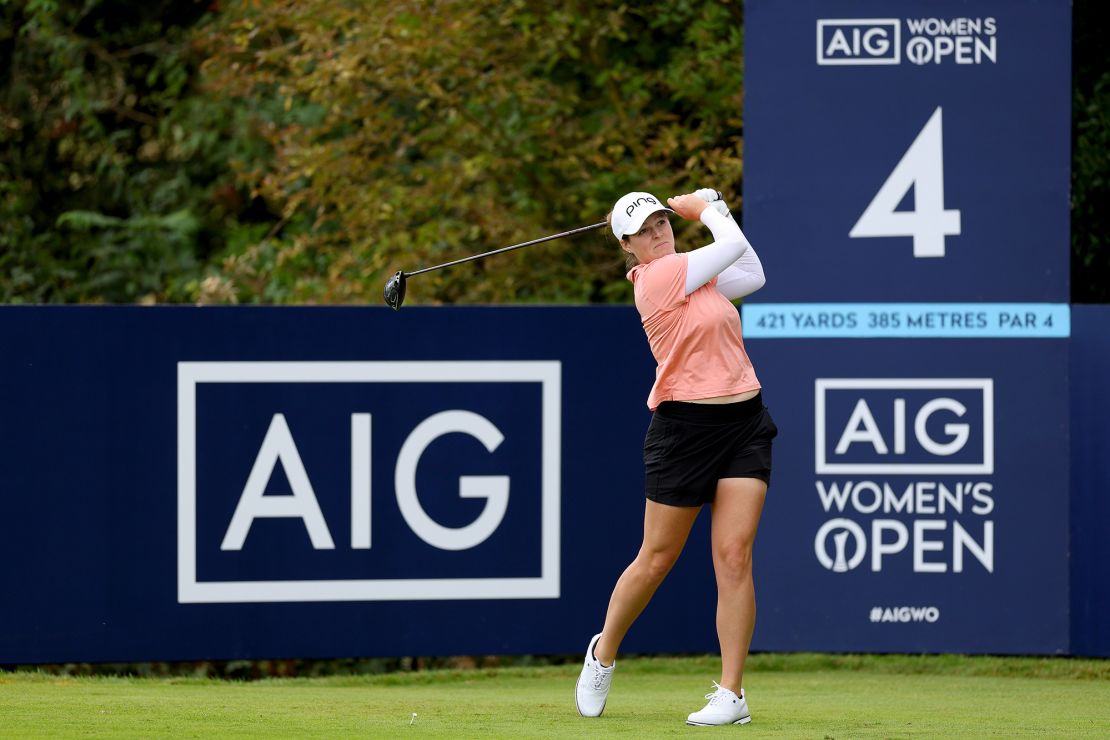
545 586
824 62
986 385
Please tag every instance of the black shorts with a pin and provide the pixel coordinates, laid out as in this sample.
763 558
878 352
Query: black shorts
690 446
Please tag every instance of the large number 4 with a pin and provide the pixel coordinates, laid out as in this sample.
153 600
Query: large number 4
922 168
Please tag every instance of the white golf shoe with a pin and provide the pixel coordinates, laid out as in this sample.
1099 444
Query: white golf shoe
724 708
593 683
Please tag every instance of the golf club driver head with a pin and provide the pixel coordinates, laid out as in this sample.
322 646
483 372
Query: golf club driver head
395 291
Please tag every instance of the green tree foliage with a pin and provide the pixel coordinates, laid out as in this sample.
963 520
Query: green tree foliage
300 151
428 130
1090 176
114 183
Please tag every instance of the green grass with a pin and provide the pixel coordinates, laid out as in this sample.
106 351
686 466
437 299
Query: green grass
803 695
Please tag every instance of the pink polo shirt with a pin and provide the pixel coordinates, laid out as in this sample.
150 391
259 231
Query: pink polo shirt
695 338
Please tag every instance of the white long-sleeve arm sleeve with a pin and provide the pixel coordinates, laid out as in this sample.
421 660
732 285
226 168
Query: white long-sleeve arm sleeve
730 257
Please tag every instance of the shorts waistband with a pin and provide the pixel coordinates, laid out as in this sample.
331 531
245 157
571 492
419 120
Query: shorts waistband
711 413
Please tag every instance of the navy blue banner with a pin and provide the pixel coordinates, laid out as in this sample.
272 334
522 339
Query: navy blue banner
1090 481
182 483
911 477
191 483
908 151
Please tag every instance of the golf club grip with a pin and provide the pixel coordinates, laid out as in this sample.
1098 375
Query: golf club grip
579 230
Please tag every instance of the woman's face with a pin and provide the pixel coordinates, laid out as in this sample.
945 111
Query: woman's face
654 239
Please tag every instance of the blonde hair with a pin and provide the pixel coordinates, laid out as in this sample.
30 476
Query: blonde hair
630 260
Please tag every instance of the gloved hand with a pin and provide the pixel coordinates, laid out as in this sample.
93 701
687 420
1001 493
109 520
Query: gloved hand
714 199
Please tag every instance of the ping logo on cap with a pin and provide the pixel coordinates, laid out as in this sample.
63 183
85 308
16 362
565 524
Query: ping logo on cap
640 201
630 211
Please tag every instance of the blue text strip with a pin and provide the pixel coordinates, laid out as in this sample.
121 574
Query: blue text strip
905 320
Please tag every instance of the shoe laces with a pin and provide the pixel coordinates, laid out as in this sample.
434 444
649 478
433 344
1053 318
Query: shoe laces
601 678
718 695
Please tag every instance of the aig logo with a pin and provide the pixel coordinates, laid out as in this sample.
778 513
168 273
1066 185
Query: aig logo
367 481
858 41
904 425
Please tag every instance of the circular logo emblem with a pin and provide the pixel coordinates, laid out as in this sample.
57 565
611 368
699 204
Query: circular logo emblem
839 530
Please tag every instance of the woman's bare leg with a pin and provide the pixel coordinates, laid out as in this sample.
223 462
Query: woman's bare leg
665 531
736 511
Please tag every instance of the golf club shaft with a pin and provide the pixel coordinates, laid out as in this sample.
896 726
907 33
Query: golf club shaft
507 249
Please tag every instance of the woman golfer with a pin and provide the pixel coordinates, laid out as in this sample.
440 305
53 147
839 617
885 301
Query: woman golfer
709 441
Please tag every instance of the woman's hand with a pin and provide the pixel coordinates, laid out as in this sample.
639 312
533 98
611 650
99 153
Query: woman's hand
688 206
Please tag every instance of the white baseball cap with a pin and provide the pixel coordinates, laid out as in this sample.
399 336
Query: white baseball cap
632 210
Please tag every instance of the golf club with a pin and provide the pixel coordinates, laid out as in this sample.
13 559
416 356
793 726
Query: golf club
395 287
